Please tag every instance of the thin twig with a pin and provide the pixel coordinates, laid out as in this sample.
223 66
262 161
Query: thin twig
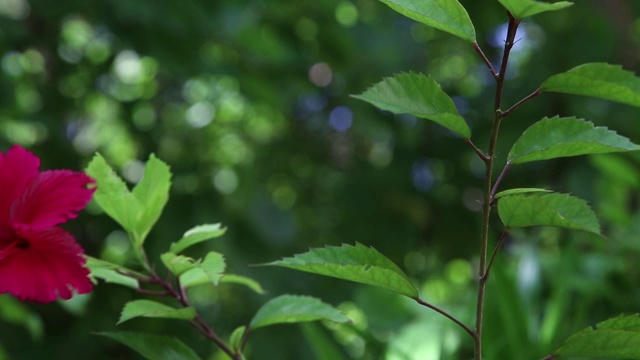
447 315
152 292
477 150
496 185
521 102
485 59
503 236
549 357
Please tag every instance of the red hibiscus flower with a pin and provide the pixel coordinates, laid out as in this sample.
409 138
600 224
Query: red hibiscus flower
38 260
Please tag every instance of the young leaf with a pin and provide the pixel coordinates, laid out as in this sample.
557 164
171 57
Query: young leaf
614 338
521 9
599 80
445 15
153 347
112 273
242 280
148 308
209 270
235 340
197 235
357 263
294 309
519 191
562 137
178 264
560 210
112 194
152 193
418 95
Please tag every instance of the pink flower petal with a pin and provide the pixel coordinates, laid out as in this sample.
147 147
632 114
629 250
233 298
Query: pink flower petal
17 168
48 265
52 198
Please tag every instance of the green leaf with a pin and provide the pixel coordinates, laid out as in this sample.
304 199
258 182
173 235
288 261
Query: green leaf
153 309
445 15
418 95
178 264
521 9
235 340
112 194
294 309
242 280
560 210
112 273
519 191
197 235
152 193
153 347
599 80
562 137
209 270
357 263
614 338
322 345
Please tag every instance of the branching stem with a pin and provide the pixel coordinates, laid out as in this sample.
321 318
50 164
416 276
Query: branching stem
521 102
448 316
503 236
486 206
181 296
480 153
485 59
504 172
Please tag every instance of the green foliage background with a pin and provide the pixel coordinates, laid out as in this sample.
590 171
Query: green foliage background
248 102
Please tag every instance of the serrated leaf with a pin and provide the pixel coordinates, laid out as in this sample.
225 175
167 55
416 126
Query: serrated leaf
446 15
235 340
614 338
153 347
152 193
242 280
599 80
560 210
521 9
357 263
519 191
153 309
209 270
178 264
418 95
112 194
294 309
197 235
562 137
112 273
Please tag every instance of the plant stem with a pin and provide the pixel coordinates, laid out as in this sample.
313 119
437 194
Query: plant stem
448 316
494 189
486 206
480 153
503 236
521 102
198 322
485 59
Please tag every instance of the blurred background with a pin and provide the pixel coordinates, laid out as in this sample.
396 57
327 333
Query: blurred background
248 102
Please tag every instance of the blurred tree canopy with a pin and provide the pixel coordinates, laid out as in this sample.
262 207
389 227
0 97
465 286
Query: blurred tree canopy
248 101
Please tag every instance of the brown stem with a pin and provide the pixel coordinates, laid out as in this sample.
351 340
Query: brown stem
485 59
447 315
480 153
486 206
198 322
494 189
503 236
521 102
